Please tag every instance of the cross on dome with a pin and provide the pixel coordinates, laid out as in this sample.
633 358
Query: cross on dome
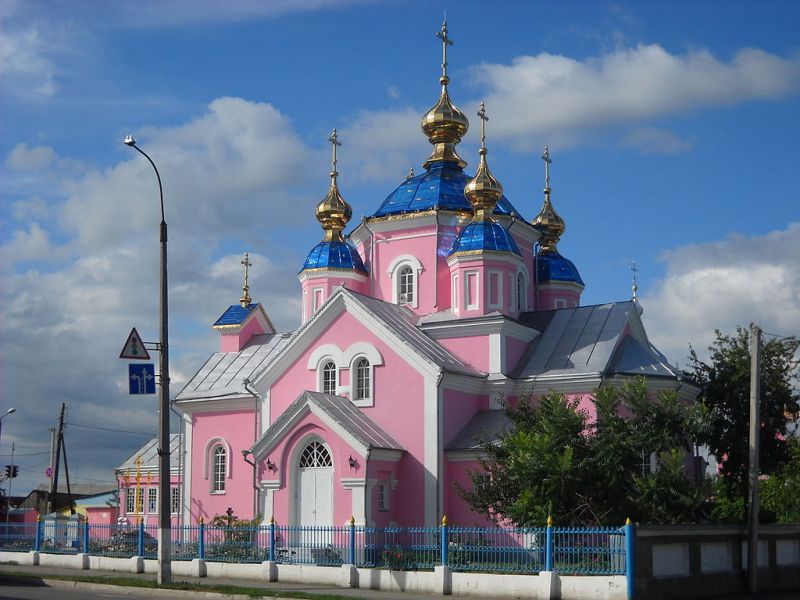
484 118
634 277
245 300
446 41
334 140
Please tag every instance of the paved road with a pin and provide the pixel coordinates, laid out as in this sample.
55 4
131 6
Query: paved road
13 588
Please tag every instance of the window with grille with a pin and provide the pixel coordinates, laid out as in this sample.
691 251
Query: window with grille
406 282
152 500
329 378
315 455
220 469
363 379
175 500
383 496
130 500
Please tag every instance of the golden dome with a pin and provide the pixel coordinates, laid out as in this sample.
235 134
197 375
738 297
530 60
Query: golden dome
484 190
333 212
444 124
548 221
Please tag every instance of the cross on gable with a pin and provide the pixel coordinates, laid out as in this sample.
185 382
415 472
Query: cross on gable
245 299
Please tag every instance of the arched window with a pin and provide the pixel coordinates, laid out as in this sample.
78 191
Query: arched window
363 380
522 304
329 378
315 456
405 282
220 469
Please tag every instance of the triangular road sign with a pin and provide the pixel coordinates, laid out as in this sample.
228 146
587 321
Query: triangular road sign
134 347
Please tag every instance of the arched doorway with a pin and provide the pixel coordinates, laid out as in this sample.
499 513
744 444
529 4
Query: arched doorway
314 506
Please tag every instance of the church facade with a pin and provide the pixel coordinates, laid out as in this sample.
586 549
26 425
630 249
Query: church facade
414 326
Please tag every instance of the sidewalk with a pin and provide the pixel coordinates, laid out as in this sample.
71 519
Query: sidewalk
269 587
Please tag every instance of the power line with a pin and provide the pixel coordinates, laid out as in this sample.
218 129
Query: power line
147 433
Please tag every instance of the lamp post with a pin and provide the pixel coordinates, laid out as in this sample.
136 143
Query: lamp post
10 411
164 519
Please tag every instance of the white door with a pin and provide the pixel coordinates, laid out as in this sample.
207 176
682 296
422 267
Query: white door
315 487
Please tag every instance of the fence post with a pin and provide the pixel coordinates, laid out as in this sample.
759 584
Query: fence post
445 542
86 537
630 547
351 557
549 546
37 545
201 546
272 538
141 537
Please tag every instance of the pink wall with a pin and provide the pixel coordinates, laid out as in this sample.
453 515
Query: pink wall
474 350
514 350
457 510
549 296
398 387
459 408
233 342
237 430
97 515
328 284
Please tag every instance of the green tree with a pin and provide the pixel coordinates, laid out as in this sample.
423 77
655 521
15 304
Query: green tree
553 460
780 492
725 380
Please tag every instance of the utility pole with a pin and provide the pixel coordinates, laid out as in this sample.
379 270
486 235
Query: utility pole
10 479
755 430
54 484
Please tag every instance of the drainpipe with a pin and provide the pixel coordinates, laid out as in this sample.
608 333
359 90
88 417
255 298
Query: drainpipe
245 453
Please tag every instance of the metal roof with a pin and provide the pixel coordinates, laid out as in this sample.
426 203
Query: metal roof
485 425
334 255
441 186
225 372
339 409
583 340
484 235
235 314
403 322
149 454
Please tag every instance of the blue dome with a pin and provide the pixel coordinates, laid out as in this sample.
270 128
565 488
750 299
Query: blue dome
484 235
440 186
334 255
551 266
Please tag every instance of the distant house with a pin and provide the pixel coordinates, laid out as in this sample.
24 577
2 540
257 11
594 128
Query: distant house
37 499
137 479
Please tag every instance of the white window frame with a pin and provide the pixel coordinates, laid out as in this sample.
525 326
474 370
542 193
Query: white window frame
383 496
219 478
322 369
521 291
394 270
454 292
369 399
317 299
495 282
152 500
471 303
560 303
130 500
175 499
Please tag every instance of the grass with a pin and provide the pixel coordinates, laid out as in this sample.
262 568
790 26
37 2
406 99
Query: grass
181 585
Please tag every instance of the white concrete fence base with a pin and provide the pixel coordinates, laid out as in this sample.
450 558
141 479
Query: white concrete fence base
441 581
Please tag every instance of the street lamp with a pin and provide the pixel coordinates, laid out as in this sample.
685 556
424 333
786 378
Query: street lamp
164 519
10 411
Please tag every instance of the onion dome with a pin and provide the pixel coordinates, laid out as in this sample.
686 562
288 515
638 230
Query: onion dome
548 222
444 124
552 267
483 192
333 213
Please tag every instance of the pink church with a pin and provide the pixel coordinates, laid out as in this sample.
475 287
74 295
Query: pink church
413 326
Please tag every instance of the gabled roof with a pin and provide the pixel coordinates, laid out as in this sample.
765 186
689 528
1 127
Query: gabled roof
598 339
236 315
149 455
224 373
486 424
339 412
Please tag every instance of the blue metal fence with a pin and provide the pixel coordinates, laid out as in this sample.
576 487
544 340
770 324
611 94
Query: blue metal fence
568 550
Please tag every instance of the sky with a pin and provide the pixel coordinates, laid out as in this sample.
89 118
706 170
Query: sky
673 128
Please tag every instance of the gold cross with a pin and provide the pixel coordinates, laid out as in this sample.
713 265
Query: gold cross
334 140
484 118
547 160
446 41
246 299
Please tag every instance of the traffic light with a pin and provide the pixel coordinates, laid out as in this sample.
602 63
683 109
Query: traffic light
14 471
8 471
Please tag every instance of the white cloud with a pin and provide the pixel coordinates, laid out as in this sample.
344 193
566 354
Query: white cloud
652 140
556 94
23 158
25 67
720 285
